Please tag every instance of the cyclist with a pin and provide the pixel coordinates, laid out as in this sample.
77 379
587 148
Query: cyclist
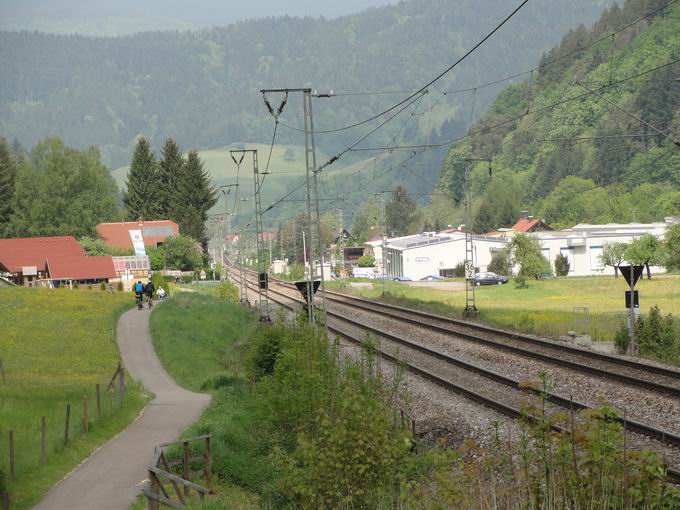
161 293
148 290
138 289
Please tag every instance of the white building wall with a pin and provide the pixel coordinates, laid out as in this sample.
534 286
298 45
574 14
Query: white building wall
422 261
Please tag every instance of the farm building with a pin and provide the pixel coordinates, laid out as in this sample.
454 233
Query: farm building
137 234
51 261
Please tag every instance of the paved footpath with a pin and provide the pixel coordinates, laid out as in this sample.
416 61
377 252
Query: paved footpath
112 478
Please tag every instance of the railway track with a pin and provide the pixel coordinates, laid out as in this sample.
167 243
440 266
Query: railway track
470 387
658 379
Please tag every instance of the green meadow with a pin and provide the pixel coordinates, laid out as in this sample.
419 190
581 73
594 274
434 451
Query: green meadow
56 346
547 307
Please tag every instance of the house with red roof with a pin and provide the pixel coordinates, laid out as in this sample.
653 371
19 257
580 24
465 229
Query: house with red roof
122 234
52 261
527 224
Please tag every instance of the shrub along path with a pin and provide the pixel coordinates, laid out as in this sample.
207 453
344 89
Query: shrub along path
112 477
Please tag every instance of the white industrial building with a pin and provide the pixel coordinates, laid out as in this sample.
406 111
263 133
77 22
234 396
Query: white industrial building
429 254
583 244
426 254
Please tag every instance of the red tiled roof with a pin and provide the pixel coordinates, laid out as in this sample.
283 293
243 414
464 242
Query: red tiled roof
525 224
529 224
32 251
80 268
117 235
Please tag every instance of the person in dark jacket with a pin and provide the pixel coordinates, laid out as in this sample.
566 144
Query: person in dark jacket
149 290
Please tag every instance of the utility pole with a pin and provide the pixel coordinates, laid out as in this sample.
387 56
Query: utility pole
263 298
311 192
470 303
384 242
227 214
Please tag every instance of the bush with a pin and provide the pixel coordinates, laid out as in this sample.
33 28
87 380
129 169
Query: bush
120 287
156 257
562 265
227 290
102 286
655 335
264 351
459 270
296 271
89 286
76 285
366 261
500 263
159 281
622 339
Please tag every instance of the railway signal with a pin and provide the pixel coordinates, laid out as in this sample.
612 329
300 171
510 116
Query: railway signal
632 274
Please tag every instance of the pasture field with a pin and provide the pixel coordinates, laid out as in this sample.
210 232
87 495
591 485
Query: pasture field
56 345
547 307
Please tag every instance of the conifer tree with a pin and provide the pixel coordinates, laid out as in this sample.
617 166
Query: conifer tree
7 180
140 199
170 169
193 198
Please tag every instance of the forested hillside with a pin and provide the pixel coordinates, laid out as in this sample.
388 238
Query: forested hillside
592 136
202 87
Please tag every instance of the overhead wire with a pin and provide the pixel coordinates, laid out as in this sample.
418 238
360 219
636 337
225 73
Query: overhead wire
497 81
486 129
353 148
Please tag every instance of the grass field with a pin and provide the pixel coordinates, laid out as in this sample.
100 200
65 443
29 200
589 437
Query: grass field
546 307
56 345
198 340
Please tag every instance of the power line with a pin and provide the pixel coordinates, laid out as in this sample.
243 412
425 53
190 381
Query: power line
483 85
486 129
593 138
427 85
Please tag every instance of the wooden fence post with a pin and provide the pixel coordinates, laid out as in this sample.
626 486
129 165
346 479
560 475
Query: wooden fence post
208 463
185 464
154 489
85 417
12 467
121 385
66 423
43 440
99 404
4 501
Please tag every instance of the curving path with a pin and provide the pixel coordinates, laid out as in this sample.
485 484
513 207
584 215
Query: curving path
112 477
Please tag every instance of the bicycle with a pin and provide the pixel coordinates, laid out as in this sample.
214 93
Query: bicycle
150 302
139 299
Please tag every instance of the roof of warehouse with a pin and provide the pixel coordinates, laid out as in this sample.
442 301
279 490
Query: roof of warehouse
117 235
80 268
422 240
18 253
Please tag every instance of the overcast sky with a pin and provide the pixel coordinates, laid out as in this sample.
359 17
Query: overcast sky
106 17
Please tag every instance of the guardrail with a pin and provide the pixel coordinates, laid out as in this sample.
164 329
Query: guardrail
161 475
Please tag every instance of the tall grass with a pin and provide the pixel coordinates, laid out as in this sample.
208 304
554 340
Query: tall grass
295 425
56 345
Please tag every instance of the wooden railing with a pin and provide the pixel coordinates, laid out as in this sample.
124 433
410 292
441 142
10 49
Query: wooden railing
162 477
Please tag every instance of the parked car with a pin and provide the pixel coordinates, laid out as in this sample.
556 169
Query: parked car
489 279
431 278
402 279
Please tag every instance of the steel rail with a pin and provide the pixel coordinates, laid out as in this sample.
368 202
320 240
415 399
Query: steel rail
665 438
370 306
